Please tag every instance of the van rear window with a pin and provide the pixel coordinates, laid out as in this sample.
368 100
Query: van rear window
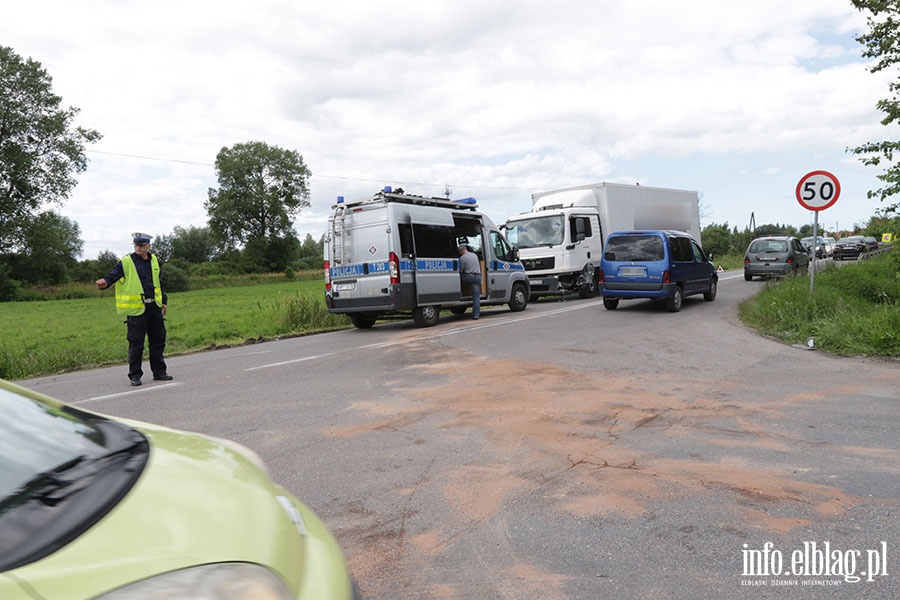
634 248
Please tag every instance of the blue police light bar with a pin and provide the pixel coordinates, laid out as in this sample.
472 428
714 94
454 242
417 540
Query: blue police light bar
387 189
340 200
466 201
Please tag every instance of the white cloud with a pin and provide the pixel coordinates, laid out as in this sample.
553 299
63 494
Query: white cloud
494 98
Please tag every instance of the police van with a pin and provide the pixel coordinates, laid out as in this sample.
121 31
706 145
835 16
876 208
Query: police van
394 254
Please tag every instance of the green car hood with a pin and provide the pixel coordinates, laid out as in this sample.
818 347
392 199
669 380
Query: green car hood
197 502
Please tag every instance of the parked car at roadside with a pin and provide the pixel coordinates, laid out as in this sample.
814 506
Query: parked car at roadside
872 243
829 246
93 507
655 264
854 246
775 256
817 245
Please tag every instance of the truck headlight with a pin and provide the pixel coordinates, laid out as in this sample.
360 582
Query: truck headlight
221 581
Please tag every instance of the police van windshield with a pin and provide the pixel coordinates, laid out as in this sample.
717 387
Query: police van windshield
535 232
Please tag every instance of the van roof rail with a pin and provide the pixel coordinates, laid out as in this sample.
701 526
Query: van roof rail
401 196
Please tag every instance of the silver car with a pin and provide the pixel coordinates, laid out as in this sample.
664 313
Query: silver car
775 256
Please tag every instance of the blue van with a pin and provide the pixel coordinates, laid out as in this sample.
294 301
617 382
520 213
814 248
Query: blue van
655 264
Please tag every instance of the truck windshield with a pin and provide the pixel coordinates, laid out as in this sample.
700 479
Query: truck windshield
537 231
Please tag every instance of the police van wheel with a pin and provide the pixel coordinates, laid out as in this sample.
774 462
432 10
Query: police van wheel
362 321
426 316
518 298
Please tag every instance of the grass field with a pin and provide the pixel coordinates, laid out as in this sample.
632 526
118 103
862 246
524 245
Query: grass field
854 309
61 335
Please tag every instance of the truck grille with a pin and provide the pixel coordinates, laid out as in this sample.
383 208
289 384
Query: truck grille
536 264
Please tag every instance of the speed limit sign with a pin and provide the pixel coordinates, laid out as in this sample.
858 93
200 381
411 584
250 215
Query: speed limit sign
818 190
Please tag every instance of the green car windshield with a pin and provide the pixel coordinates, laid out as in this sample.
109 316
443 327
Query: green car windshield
37 437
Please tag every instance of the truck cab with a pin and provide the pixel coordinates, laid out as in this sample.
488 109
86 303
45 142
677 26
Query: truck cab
395 255
560 247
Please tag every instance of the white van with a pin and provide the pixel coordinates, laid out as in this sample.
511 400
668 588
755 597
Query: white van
394 255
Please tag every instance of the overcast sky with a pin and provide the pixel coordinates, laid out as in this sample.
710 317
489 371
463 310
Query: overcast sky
496 99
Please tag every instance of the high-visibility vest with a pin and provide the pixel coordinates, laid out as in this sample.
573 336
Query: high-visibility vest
130 291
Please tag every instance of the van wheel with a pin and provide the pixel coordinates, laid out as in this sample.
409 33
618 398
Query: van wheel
674 303
711 294
518 299
426 316
362 321
610 303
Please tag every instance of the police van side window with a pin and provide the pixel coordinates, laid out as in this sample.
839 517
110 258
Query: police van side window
434 241
406 239
501 249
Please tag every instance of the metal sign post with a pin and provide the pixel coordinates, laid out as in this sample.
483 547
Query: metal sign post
817 191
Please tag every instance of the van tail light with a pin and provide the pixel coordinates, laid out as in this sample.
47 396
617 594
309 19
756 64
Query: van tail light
394 263
601 276
327 268
667 277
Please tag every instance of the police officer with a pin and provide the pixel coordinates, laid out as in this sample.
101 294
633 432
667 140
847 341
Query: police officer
139 297
470 273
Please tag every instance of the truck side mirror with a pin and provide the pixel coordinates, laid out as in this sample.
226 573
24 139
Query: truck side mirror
579 233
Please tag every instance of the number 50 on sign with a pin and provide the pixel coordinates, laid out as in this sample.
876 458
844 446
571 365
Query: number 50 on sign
818 190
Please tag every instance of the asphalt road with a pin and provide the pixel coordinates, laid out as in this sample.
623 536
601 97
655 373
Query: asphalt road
565 451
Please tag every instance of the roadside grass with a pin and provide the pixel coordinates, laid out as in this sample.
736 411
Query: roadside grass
854 310
729 262
39 338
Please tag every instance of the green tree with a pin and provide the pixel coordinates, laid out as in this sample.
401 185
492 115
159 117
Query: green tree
883 44
89 270
51 244
261 189
40 148
162 247
716 239
194 244
775 229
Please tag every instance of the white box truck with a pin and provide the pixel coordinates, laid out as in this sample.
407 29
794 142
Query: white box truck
395 255
561 239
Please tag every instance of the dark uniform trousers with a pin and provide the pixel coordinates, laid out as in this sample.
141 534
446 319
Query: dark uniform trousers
152 326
